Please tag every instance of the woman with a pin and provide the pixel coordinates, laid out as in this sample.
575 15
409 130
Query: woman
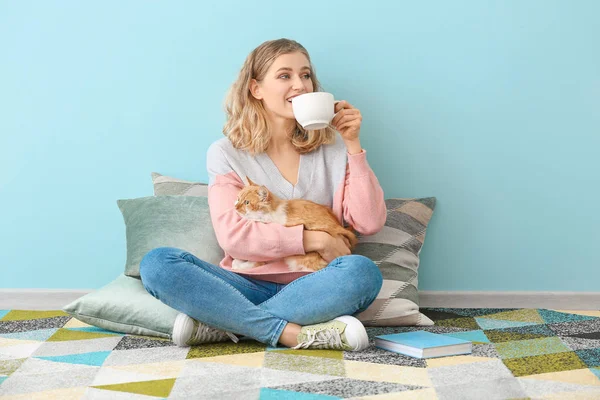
263 141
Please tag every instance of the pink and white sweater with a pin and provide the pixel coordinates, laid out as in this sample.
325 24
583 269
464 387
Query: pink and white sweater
328 175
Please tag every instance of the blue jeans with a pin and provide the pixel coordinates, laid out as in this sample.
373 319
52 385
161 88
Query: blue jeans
255 308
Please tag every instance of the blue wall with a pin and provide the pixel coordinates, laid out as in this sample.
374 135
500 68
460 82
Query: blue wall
492 107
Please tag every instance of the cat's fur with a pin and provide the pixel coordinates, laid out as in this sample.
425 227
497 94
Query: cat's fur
257 203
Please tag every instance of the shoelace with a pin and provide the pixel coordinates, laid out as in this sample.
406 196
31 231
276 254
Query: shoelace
329 337
232 337
205 333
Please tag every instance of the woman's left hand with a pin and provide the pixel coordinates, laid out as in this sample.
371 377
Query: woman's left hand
347 121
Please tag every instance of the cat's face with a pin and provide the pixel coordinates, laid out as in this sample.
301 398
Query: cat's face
254 202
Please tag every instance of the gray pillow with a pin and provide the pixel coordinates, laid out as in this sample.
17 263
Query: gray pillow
165 185
124 306
172 221
395 249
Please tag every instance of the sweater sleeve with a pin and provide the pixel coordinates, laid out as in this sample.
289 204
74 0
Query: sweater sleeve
240 238
364 203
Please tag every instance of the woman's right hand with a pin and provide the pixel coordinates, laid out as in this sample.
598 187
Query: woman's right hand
327 246
335 247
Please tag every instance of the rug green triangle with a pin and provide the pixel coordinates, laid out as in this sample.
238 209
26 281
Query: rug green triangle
226 348
499 336
7 367
465 323
63 335
523 315
150 337
24 315
158 388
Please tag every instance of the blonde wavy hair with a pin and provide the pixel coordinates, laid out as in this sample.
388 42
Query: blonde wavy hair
247 125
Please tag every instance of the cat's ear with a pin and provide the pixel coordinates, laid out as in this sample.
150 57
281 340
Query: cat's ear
249 182
263 193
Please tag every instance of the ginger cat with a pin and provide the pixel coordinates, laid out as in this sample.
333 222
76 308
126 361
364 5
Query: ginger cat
257 203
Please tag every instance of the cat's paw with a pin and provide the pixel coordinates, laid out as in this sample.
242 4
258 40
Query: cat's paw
309 262
295 266
241 265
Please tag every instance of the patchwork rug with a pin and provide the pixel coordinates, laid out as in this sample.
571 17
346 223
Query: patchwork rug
517 353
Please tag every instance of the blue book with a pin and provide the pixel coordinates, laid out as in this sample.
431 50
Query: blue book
422 344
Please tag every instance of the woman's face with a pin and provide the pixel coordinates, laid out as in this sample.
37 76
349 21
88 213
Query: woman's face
288 76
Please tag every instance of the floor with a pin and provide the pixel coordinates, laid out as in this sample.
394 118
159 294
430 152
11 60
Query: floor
517 354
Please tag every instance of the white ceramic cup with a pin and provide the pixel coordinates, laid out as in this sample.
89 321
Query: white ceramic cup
313 110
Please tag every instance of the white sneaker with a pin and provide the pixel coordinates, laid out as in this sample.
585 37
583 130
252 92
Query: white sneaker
342 333
189 332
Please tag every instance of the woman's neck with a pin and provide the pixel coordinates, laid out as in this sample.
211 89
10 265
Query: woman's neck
280 144
281 130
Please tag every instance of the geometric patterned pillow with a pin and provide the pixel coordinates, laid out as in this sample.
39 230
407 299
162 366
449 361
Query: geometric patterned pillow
168 186
395 249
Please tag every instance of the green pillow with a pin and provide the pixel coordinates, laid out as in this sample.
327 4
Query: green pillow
125 306
168 221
